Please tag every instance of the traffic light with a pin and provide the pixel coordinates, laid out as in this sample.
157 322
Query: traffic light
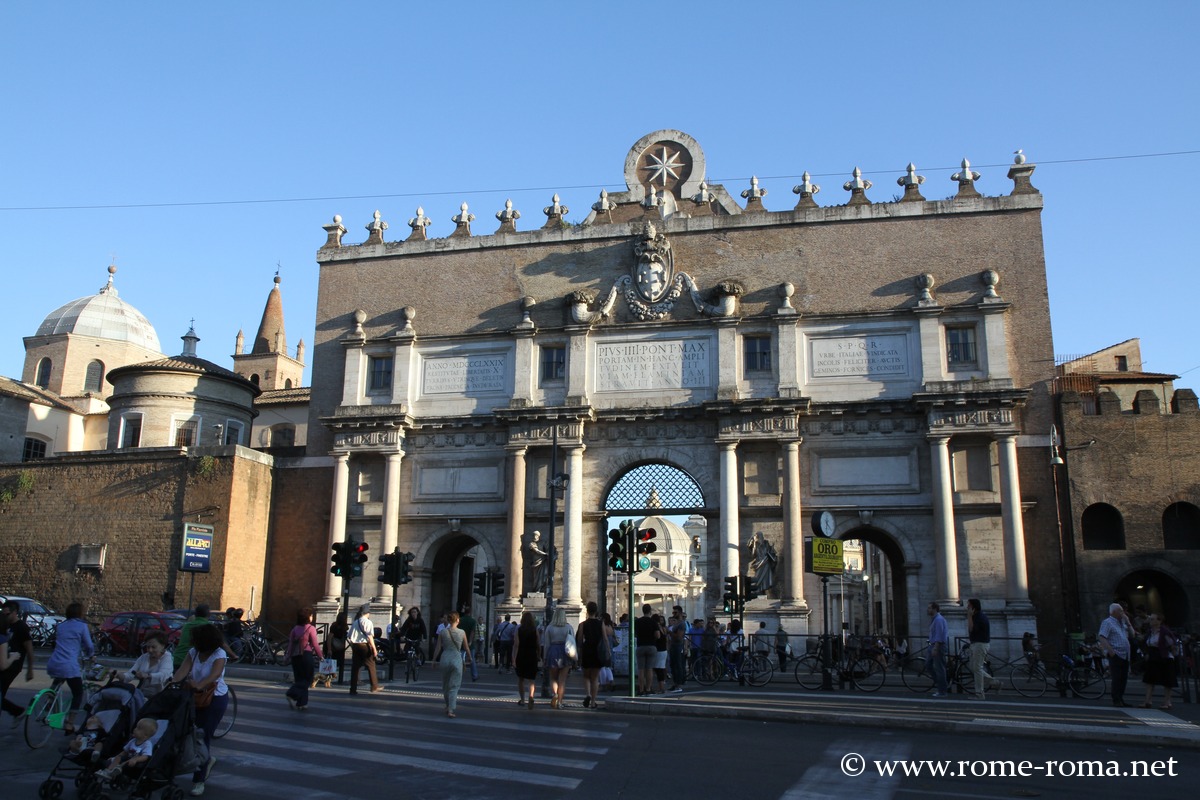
748 592
617 557
358 557
482 584
732 596
340 560
387 568
646 543
497 583
403 571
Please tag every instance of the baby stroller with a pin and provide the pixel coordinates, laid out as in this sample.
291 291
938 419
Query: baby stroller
178 750
115 706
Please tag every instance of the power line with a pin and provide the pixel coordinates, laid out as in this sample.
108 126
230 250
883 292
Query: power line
459 192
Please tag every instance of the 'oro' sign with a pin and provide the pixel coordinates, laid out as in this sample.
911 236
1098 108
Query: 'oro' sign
825 556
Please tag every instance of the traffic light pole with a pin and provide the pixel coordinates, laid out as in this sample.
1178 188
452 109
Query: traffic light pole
631 645
395 629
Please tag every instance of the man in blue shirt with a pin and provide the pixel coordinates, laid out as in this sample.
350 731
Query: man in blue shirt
939 642
1115 634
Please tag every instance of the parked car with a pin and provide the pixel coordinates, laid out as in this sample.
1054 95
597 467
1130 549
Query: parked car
41 620
124 632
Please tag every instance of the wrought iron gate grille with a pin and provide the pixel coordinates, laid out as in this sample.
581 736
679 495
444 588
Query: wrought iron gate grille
655 486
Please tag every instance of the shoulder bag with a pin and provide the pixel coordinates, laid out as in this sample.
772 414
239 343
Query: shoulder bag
570 646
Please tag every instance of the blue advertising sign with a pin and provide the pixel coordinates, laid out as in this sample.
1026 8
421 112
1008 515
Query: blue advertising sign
197 547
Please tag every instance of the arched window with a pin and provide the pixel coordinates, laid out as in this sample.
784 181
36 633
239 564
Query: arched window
1181 527
1103 528
287 384
43 373
93 379
254 379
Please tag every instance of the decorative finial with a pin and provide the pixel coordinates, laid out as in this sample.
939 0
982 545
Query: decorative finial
1020 174
334 232
418 224
555 213
991 279
966 180
360 317
704 196
652 200
857 187
603 205
1018 157
806 189
754 196
508 218
925 283
375 229
462 221
911 183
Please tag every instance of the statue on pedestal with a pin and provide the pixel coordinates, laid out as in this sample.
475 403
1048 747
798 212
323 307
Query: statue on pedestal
537 565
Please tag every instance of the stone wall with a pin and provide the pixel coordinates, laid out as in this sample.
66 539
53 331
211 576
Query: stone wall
135 503
299 540
1144 459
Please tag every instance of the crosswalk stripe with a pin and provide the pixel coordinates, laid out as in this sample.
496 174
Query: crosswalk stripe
245 758
271 788
410 744
403 759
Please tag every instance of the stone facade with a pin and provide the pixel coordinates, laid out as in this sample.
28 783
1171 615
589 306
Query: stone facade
889 358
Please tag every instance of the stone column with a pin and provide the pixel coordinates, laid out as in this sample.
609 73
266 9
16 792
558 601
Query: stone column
337 519
516 522
391 512
793 527
943 519
730 539
573 529
1015 571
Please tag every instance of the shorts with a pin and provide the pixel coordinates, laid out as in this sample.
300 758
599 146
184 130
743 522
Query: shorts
660 659
646 656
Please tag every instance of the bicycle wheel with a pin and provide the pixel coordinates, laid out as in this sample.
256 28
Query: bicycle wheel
1086 682
709 670
964 677
808 672
412 667
37 717
758 670
230 717
868 674
916 675
1029 681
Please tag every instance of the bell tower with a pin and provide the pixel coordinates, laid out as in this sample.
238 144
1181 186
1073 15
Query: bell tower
267 365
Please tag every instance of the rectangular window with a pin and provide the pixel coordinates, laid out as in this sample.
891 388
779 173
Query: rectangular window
757 350
131 431
1122 363
34 450
379 374
960 346
554 364
185 432
233 432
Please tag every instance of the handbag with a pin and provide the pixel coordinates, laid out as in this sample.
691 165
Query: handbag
202 698
570 646
328 666
605 651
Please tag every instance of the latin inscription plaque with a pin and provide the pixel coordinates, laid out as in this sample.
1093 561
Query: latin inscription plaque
659 364
485 373
859 356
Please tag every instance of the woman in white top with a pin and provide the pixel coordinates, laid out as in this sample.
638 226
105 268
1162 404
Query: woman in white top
557 661
153 668
204 666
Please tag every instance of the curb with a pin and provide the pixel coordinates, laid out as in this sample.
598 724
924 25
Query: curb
1141 734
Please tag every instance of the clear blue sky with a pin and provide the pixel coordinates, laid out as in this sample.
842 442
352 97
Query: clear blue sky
175 110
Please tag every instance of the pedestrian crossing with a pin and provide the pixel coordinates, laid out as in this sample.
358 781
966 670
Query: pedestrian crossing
326 749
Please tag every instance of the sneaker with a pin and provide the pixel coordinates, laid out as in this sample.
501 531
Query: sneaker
197 789
939 694
291 703
677 690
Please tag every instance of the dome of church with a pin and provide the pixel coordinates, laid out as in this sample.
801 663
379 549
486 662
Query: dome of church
104 316
671 537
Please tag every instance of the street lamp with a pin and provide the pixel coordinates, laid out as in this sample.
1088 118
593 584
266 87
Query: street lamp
1056 463
557 482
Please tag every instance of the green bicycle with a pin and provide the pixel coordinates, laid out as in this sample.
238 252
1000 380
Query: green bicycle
50 709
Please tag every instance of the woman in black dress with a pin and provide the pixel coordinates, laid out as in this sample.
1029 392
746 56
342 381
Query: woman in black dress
526 645
1160 661
592 651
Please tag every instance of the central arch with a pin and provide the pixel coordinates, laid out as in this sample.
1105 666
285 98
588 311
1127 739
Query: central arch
889 612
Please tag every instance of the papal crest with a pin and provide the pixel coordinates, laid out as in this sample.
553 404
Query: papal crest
655 267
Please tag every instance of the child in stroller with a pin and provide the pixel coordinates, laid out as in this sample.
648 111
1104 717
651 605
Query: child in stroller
110 715
137 750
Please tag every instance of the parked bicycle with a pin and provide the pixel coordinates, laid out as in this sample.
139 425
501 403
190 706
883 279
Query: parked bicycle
743 667
1032 678
863 670
255 647
50 709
